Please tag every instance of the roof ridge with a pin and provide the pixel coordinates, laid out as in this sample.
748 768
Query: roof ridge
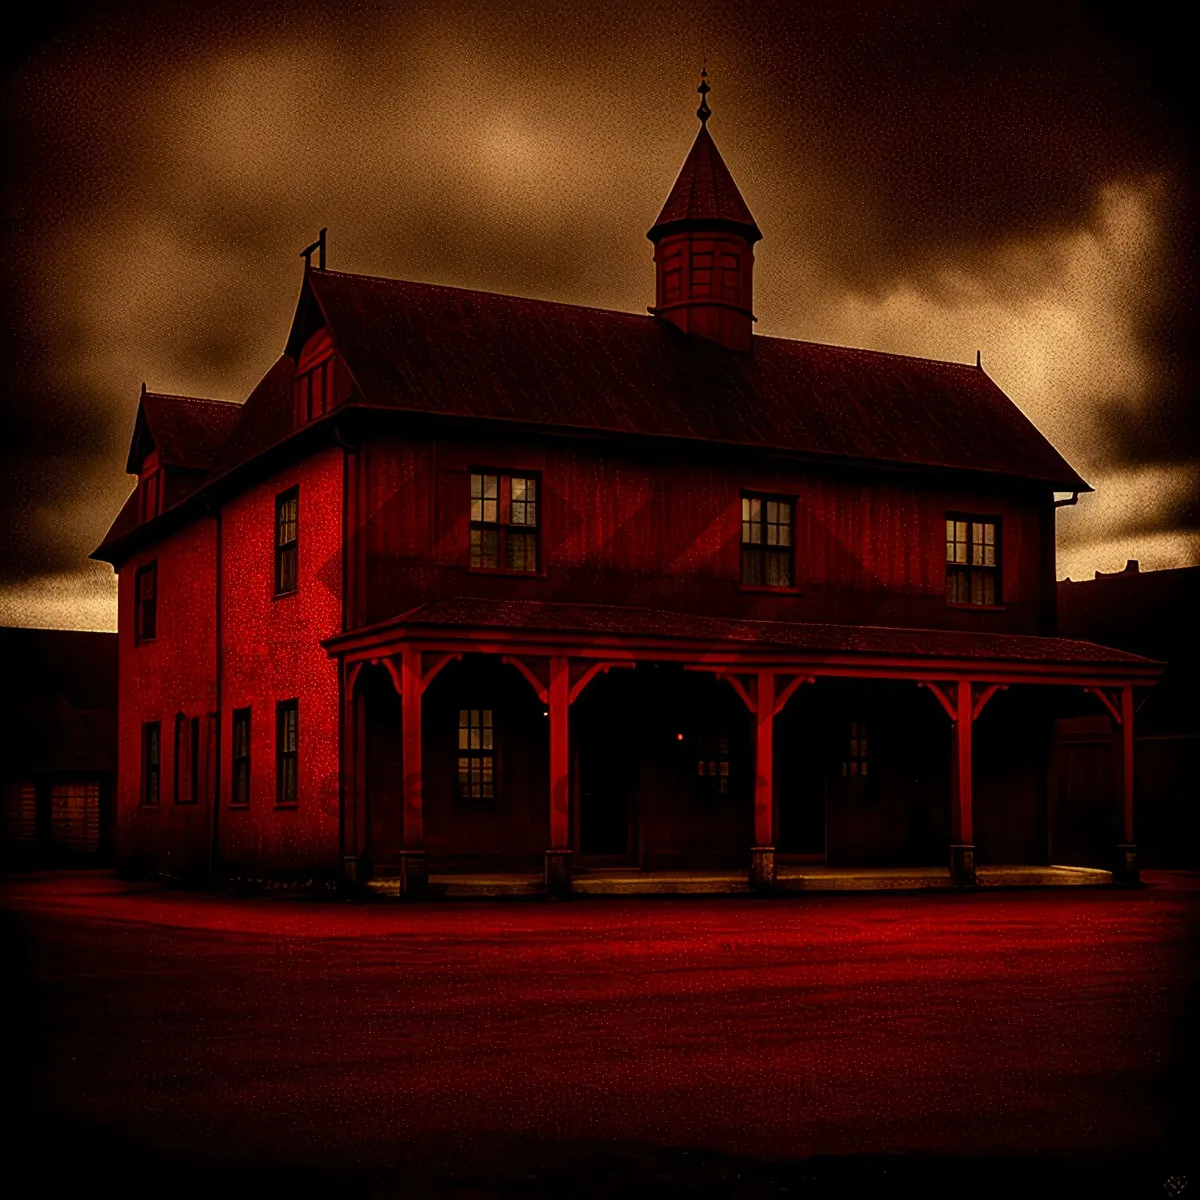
640 317
193 399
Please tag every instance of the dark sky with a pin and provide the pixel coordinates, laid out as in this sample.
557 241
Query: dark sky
930 178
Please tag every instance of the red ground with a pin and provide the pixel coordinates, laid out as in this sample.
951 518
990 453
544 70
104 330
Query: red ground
375 1040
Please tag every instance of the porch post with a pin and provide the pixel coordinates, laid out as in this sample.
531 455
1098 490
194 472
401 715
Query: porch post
558 857
1127 864
962 832
762 853
414 872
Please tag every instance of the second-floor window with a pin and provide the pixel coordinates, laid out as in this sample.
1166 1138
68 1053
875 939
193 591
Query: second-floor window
287 538
504 522
241 756
766 541
151 762
972 560
145 587
287 748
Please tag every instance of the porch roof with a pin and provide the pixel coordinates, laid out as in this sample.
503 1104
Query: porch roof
628 633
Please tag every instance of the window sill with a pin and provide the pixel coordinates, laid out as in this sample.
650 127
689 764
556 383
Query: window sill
239 807
145 641
186 803
974 607
285 595
506 573
763 589
287 806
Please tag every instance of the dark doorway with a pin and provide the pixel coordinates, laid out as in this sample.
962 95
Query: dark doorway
664 769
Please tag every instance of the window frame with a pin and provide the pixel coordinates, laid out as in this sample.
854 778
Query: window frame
187 737
282 548
286 755
149 571
151 767
464 799
501 527
857 753
762 549
240 762
969 569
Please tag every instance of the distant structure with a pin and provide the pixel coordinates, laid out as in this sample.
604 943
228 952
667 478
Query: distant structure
474 581
1151 613
58 749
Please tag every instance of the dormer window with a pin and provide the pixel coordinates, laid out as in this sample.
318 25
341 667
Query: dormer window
150 488
313 389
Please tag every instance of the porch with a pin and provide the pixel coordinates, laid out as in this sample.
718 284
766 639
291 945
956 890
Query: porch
813 878
665 776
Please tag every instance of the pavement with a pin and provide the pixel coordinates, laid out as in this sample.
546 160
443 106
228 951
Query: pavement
814 1044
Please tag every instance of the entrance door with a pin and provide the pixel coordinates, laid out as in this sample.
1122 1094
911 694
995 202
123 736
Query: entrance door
608 788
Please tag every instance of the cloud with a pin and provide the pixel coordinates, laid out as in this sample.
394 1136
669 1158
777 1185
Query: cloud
165 183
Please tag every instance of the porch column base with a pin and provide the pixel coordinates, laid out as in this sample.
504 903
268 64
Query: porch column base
558 872
962 865
414 873
762 868
1126 869
356 871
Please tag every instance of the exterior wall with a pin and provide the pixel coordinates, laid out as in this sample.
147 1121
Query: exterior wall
175 672
664 531
271 651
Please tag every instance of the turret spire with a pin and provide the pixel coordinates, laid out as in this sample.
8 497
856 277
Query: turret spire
704 246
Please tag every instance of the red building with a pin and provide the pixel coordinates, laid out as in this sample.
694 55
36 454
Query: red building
472 581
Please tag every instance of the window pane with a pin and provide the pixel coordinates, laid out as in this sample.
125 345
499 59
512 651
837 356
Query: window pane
752 568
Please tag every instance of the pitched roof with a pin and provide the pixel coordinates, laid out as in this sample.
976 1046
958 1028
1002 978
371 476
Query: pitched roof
705 193
597 621
187 431
431 349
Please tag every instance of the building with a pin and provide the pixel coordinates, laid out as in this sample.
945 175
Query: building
58 759
476 581
1150 613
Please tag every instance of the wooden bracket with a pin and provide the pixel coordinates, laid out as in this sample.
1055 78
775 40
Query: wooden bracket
589 673
943 697
442 660
540 687
393 670
790 690
739 687
1102 695
983 696
353 670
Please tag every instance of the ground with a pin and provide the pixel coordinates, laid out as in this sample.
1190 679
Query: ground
977 1044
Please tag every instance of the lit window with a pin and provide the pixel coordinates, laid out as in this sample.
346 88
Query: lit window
856 750
504 522
287 741
476 754
766 542
287 531
972 560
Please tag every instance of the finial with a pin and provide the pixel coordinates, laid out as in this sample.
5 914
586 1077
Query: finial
979 359
704 112
143 389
